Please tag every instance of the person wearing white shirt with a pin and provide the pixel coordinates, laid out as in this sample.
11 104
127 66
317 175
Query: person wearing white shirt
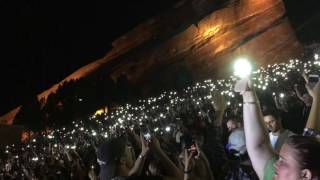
277 134
236 140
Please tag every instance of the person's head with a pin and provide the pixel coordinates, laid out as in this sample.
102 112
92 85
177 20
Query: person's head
112 156
273 121
307 99
299 159
264 108
232 124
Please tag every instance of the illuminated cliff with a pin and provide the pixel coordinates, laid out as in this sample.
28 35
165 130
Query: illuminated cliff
198 36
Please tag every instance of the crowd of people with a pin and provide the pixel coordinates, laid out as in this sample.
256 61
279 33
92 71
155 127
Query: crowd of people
206 132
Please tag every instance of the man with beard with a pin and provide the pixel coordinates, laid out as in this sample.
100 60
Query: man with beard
277 134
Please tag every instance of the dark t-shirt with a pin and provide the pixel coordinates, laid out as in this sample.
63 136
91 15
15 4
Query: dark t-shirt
295 120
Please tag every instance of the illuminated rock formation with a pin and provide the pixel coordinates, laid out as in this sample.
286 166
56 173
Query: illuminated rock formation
199 36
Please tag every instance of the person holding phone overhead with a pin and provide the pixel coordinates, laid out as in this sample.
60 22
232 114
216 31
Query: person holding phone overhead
306 99
299 157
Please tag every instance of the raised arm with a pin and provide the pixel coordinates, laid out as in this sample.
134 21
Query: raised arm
201 170
257 140
279 106
298 92
220 105
170 168
314 115
138 165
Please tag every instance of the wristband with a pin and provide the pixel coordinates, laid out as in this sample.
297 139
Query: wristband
311 132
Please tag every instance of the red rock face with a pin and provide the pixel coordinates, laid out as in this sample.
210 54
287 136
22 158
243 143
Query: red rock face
256 29
199 37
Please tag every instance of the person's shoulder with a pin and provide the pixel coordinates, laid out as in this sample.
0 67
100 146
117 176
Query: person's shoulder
238 131
269 170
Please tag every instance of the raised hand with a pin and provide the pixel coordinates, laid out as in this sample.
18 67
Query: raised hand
219 102
144 145
187 159
155 144
243 85
314 91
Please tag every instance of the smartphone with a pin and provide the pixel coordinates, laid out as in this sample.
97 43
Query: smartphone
146 133
313 79
147 136
193 149
190 145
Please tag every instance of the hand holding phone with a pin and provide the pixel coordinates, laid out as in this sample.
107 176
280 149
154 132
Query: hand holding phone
145 131
193 149
313 85
147 136
242 85
191 145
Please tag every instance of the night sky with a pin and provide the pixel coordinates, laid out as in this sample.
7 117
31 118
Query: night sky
42 41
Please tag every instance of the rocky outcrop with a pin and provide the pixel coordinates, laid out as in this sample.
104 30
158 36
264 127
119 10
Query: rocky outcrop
200 36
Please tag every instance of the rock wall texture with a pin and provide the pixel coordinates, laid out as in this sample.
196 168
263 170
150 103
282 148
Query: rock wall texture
198 36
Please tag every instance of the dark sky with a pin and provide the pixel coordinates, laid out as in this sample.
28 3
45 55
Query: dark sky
43 41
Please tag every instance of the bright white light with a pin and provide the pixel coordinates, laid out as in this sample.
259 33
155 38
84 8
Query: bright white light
147 136
73 147
242 68
94 134
168 129
105 135
281 95
120 120
316 56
